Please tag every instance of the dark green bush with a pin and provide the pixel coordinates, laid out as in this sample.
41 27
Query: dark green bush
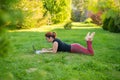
112 27
105 24
112 24
4 42
68 25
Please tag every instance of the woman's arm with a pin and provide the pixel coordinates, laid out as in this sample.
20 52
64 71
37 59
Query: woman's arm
52 50
55 47
48 49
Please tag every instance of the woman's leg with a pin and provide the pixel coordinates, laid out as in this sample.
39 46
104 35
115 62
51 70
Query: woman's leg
77 48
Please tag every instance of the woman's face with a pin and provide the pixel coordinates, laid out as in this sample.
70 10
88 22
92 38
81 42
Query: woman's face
49 39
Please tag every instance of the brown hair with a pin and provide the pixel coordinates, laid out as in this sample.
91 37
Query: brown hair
50 34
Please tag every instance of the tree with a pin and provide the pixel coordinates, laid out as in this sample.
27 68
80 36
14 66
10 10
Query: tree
60 10
79 10
38 12
33 13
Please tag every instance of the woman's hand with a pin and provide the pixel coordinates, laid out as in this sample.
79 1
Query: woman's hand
44 50
53 49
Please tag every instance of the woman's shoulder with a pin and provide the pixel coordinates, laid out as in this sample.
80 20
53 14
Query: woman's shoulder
57 40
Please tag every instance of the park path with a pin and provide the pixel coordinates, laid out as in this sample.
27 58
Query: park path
39 29
46 28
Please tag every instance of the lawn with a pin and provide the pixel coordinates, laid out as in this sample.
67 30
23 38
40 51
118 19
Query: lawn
23 64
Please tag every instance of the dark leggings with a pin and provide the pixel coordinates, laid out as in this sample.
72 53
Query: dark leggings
77 48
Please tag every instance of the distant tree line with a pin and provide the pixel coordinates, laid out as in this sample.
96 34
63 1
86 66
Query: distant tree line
38 12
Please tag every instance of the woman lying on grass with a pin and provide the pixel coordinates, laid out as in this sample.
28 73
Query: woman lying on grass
58 45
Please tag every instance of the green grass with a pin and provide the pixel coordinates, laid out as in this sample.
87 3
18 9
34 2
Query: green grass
22 64
78 24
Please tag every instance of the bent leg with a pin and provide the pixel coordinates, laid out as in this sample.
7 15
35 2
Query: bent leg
77 48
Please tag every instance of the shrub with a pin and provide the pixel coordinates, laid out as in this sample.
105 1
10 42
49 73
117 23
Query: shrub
96 18
68 25
112 24
4 42
105 23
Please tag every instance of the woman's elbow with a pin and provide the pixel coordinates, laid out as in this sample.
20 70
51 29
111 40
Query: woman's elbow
54 51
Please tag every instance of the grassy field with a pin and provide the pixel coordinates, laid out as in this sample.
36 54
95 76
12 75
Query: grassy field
23 64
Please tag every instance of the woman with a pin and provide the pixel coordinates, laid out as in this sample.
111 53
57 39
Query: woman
58 45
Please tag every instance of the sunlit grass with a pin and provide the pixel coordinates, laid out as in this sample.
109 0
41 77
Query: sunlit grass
45 28
23 64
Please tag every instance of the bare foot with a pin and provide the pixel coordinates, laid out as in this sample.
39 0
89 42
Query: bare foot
89 37
92 35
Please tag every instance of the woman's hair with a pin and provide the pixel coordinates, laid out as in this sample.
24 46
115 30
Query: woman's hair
50 34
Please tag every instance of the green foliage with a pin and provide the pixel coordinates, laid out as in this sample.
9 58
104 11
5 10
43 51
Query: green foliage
39 12
8 16
100 5
92 7
113 17
105 24
59 10
4 43
33 13
112 24
68 25
4 18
